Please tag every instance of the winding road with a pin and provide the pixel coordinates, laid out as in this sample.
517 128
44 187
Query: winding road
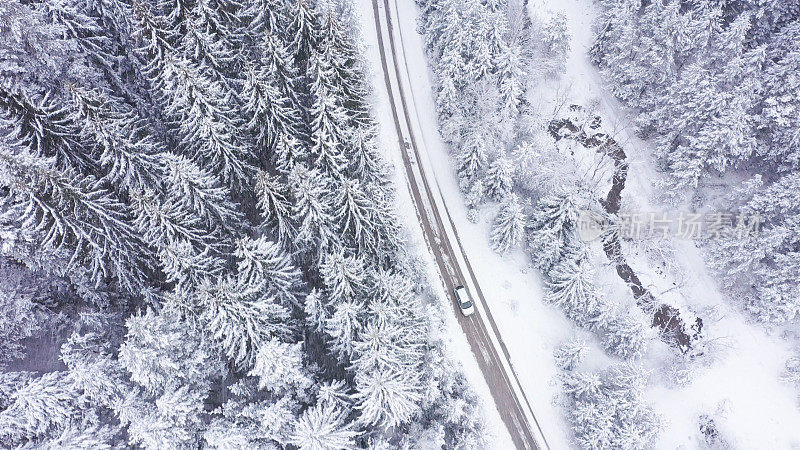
443 241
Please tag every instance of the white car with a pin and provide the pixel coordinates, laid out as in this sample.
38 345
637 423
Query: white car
464 301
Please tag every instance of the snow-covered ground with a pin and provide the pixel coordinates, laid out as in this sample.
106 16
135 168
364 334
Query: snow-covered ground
458 345
738 384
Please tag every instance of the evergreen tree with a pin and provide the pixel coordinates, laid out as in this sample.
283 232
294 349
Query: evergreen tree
40 125
279 367
270 113
355 214
327 116
199 192
323 427
343 326
162 224
160 352
303 30
386 397
365 161
626 336
240 317
473 157
311 209
22 316
607 409
264 265
509 225
511 73
206 121
343 276
572 288
570 354
41 407
127 153
552 225
65 211
499 178
276 209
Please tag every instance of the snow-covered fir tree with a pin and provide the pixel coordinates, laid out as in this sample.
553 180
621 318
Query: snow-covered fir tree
508 228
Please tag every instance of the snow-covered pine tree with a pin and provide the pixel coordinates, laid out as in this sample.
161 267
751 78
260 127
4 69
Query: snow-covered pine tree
274 202
382 345
36 52
270 114
552 228
607 409
778 103
354 212
22 316
472 158
366 164
206 121
303 31
186 265
277 61
347 73
626 335
499 178
508 227
323 427
343 276
62 211
315 310
327 116
265 265
152 38
79 24
204 46
511 72
386 397
572 287
260 18
570 354
311 210
758 267
224 291
128 155
197 191
240 317
162 224
41 407
279 367
161 352
39 124
343 325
